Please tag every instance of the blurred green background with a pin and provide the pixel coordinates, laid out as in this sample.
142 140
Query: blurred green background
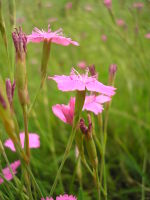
127 156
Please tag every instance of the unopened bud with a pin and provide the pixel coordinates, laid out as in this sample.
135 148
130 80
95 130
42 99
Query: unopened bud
10 90
90 145
20 42
108 3
112 73
83 127
93 71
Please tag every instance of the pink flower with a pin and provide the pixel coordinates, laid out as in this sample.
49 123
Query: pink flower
6 172
47 198
147 36
68 6
88 8
34 141
55 37
104 38
82 64
65 112
108 3
138 5
120 22
92 103
66 197
81 82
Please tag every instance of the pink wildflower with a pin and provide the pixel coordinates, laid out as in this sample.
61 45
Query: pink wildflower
104 38
82 64
55 37
138 5
66 197
81 82
65 112
47 198
68 6
108 3
34 141
88 8
147 36
120 22
6 172
92 103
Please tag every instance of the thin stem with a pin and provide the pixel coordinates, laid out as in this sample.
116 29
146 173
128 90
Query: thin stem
34 100
44 64
25 116
80 98
88 167
98 184
69 144
143 178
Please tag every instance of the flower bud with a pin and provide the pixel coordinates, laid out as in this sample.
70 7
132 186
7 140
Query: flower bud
20 41
112 73
79 143
10 88
108 4
90 145
93 71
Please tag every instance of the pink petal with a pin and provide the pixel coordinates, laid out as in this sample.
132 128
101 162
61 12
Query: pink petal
102 98
55 37
96 86
66 197
6 172
57 110
34 141
92 105
47 198
64 41
66 83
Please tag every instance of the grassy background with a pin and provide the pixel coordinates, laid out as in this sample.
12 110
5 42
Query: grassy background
129 123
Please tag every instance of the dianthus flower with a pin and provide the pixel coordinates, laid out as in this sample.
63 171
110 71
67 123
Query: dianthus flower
104 37
34 141
6 172
138 5
108 3
82 82
92 103
54 37
66 197
47 198
120 22
147 36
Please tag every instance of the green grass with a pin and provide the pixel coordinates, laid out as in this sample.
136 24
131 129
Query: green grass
129 121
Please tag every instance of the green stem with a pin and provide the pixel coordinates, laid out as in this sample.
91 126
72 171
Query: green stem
25 116
44 64
98 184
69 144
34 100
80 97
143 178
87 166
